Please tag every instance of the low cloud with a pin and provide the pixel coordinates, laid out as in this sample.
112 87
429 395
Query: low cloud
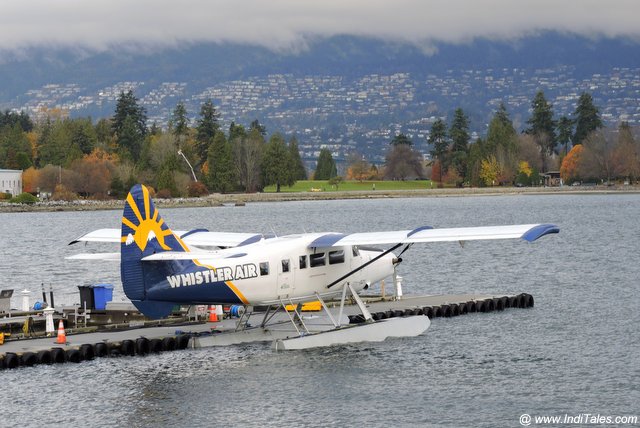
288 25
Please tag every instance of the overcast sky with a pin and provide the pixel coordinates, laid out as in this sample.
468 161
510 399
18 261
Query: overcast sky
290 24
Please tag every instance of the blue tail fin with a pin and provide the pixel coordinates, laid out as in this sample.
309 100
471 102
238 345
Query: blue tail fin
144 233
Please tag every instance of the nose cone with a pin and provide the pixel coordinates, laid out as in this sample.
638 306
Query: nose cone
389 262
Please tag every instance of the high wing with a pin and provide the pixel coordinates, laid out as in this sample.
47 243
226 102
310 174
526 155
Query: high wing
196 238
528 232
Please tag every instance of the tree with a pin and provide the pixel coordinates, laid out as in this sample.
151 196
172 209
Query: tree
502 144
626 154
326 168
570 164
206 128
277 165
401 139
489 170
299 172
260 128
597 157
179 123
15 149
237 131
93 174
56 144
438 140
542 127
248 151
359 169
83 135
459 135
403 162
565 132
129 124
22 119
222 172
586 118
501 132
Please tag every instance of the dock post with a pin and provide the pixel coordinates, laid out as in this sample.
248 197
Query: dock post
48 313
25 300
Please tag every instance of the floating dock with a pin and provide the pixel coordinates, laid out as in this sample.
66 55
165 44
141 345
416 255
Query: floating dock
139 338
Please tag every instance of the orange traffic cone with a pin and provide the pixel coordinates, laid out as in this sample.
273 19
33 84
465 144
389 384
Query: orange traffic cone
213 317
62 337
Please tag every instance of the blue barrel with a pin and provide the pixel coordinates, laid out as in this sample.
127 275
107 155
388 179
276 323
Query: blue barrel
102 293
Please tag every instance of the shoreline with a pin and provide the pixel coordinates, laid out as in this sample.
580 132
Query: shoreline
218 199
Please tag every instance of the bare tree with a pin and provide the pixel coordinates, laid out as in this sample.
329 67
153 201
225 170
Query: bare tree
403 162
248 156
597 157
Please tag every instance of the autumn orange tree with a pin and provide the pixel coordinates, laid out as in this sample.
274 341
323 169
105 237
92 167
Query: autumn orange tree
569 170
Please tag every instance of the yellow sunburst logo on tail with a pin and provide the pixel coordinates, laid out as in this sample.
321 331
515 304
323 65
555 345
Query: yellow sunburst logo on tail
147 227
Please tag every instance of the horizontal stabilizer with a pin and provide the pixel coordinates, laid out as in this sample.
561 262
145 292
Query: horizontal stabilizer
197 238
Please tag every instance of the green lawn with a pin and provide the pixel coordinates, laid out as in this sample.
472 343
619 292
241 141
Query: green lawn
323 185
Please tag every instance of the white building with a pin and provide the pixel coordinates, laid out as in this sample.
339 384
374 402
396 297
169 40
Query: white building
11 181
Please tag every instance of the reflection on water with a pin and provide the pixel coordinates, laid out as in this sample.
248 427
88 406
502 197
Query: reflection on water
575 351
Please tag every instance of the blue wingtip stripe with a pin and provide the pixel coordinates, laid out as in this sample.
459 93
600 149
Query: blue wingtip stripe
251 240
539 231
419 229
327 240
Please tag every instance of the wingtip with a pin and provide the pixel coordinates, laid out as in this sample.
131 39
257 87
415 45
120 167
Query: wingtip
539 231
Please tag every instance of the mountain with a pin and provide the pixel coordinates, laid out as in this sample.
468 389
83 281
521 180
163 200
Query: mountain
206 64
349 93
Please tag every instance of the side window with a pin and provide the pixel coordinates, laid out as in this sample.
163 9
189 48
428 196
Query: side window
336 257
303 262
285 265
355 251
264 268
316 260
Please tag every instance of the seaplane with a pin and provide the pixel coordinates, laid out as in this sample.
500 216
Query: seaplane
161 268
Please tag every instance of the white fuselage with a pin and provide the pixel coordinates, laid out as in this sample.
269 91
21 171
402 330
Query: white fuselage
285 269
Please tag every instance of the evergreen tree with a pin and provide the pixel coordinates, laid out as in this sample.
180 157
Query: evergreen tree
542 126
277 165
586 118
237 131
129 124
326 168
501 133
9 118
459 135
565 131
440 144
221 167
401 139
179 122
206 129
256 125
298 169
15 150
83 135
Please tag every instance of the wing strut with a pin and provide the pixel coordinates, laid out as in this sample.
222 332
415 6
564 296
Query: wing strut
362 266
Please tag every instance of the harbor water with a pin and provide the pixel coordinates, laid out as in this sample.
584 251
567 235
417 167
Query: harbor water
575 352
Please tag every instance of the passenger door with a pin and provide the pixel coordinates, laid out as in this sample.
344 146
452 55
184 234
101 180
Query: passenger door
285 278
